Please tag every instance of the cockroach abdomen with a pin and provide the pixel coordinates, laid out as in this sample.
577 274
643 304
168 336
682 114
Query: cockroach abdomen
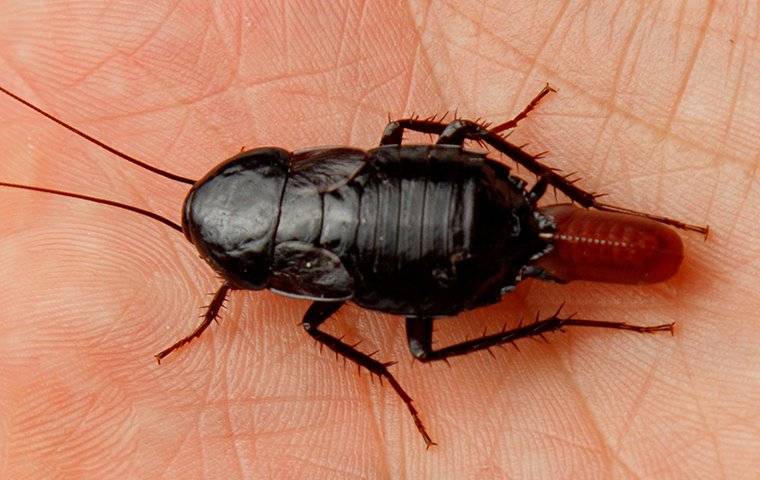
610 247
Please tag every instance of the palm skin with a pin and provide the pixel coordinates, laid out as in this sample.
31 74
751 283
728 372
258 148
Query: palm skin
654 107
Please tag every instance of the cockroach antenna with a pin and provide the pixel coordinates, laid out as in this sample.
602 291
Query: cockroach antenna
120 154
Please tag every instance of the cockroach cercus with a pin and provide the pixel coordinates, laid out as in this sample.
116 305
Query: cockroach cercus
421 231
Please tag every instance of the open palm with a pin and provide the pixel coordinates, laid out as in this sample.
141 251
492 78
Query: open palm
656 107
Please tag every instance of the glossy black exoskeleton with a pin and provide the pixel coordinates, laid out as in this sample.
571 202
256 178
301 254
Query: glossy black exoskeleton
412 230
421 231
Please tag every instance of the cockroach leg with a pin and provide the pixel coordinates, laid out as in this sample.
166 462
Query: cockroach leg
456 132
461 129
394 131
211 313
533 104
317 313
419 332
538 190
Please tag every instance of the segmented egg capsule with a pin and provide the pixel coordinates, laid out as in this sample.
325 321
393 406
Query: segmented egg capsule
610 247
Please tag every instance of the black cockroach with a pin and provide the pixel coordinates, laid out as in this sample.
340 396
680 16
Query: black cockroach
422 231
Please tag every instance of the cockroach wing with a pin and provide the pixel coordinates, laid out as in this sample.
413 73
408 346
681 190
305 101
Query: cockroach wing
326 168
302 270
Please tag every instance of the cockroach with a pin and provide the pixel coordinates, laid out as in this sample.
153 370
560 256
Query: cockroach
422 231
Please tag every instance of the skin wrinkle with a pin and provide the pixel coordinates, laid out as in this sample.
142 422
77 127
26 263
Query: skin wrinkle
681 447
376 401
412 68
494 36
140 192
228 421
445 59
541 49
359 104
681 90
169 462
86 75
478 45
153 33
753 180
622 463
194 430
615 85
713 190
172 426
707 425
586 411
206 397
578 90
367 390
423 27
636 407
739 81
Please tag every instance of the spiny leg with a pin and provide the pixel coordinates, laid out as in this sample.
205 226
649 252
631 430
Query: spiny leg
394 131
538 190
317 313
459 130
419 333
211 313
533 104
456 132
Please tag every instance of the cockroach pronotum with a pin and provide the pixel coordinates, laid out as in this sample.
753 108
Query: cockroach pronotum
421 231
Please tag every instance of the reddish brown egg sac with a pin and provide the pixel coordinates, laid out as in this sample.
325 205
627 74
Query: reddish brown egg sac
611 247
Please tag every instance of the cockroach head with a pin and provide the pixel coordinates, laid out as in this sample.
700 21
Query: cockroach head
231 215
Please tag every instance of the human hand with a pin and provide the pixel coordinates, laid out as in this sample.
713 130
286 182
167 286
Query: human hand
654 107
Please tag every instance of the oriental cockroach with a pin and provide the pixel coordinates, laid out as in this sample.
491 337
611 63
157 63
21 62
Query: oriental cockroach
422 231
